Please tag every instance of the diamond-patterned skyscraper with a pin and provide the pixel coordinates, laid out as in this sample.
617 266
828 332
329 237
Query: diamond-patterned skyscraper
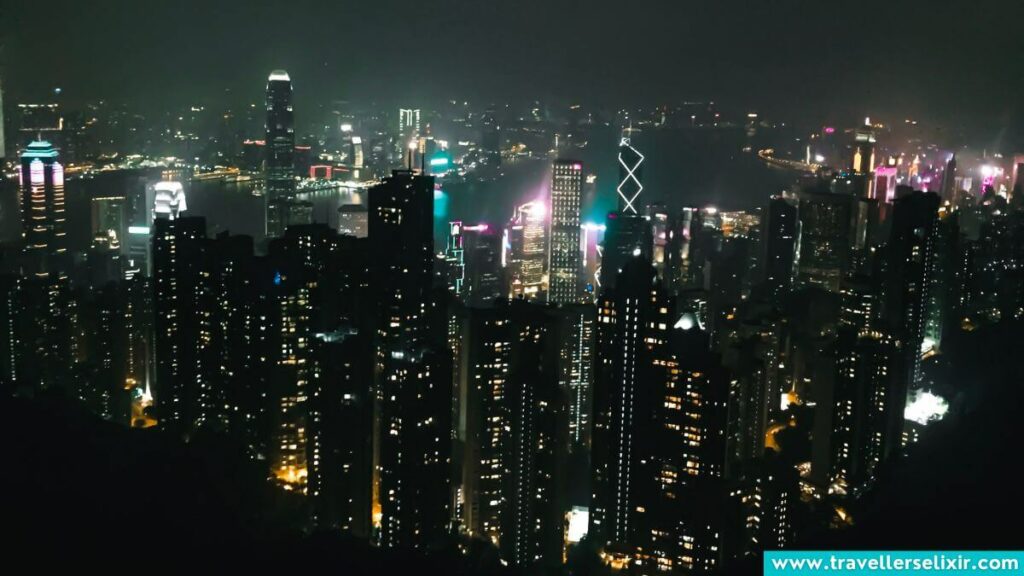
630 173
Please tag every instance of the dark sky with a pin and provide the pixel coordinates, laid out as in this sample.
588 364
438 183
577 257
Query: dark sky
948 60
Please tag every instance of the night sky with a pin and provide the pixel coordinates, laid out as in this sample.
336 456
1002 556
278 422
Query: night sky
950 61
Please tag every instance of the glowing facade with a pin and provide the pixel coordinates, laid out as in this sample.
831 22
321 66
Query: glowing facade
565 256
630 174
527 250
169 200
42 208
280 151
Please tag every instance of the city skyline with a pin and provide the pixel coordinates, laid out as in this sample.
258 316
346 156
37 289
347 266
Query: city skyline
477 337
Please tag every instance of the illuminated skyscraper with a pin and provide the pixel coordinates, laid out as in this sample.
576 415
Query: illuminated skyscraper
630 177
169 200
863 161
280 151
527 250
42 211
565 255
408 127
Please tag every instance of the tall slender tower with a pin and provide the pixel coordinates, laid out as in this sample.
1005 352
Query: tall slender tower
3 151
564 253
413 374
630 174
280 151
42 210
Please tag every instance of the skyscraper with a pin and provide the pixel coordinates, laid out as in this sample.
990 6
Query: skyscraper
280 152
866 410
910 270
413 385
565 256
490 138
828 237
659 431
781 245
527 250
630 177
515 432
181 293
339 447
3 150
352 220
42 211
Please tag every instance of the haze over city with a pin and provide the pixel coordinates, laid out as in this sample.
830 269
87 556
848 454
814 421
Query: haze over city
559 288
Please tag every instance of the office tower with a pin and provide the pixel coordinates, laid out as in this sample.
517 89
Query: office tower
483 280
408 126
108 215
526 255
885 180
910 268
109 233
659 432
340 447
514 410
280 151
182 328
781 245
630 177
103 259
40 122
168 200
455 260
626 236
356 156
137 252
948 190
863 161
353 220
660 221
828 237
42 210
473 264
490 137
564 260
413 366
592 244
